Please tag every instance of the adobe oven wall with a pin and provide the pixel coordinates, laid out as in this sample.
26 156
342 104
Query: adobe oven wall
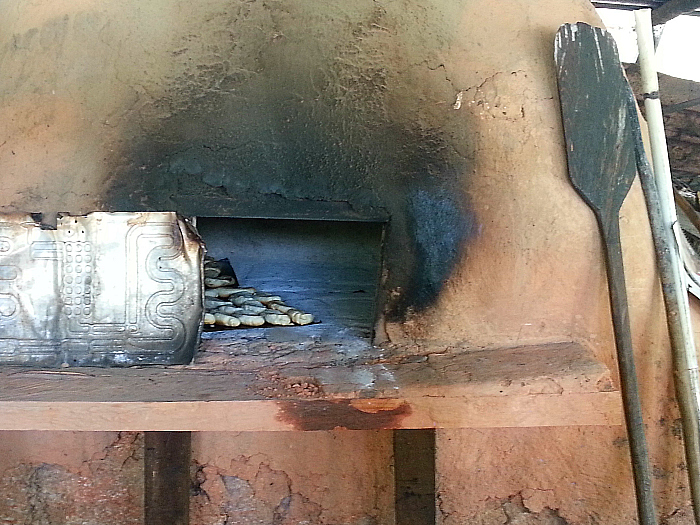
441 115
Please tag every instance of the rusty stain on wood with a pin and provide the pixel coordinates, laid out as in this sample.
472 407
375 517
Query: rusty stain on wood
342 413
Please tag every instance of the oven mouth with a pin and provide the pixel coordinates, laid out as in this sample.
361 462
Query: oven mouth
330 269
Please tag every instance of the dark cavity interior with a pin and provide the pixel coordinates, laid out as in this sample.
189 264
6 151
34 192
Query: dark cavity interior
328 268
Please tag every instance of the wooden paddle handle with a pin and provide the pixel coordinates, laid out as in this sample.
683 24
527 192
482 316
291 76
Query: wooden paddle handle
628 374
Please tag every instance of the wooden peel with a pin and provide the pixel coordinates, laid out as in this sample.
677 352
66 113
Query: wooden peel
601 158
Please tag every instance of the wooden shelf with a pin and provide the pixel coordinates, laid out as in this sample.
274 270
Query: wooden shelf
253 383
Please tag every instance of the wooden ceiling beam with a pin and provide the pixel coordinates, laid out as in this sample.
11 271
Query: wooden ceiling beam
672 9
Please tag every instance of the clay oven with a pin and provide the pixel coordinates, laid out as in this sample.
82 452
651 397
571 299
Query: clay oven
431 152
421 138
352 129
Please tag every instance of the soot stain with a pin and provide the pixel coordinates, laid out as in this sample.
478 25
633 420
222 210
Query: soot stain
263 147
440 228
330 415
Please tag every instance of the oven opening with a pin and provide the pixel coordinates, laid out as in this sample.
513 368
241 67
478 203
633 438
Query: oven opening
329 269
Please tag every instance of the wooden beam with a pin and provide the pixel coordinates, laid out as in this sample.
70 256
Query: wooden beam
167 478
680 106
671 9
319 389
550 368
593 408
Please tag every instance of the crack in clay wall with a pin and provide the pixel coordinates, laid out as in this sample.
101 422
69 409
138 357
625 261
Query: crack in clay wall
48 487
250 478
314 477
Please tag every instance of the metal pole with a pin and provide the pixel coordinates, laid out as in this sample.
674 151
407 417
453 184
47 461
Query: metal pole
658 191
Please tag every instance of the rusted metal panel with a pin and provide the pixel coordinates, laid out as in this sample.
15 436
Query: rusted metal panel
112 289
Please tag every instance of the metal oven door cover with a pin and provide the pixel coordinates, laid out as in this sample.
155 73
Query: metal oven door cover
104 289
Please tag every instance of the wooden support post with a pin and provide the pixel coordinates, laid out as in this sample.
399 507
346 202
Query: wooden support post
167 478
414 476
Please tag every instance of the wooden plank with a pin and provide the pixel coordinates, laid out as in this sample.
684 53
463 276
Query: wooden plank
671 9
680 106
592 408
240 371
244 385
167 478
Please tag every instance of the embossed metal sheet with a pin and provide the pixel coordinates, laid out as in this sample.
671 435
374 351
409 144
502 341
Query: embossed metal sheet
105 289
